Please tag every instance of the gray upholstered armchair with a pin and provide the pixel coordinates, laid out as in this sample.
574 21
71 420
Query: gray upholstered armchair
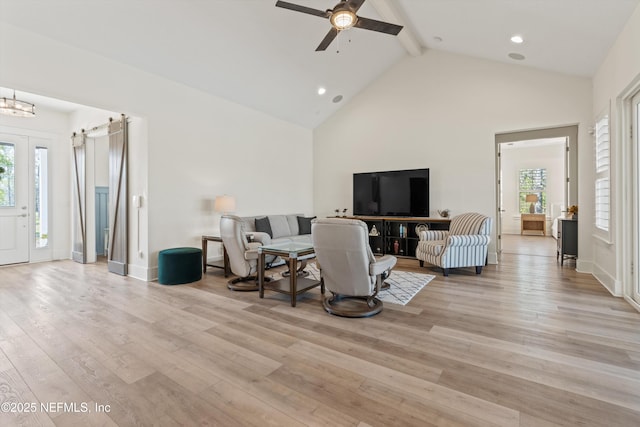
464 245
243 255
348 268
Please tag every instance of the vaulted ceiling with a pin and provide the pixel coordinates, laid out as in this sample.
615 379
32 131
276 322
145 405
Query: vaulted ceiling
261 56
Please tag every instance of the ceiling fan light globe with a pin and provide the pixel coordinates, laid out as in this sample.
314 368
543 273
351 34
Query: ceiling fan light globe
343 19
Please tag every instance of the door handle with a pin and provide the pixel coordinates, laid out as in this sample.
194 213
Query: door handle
24 215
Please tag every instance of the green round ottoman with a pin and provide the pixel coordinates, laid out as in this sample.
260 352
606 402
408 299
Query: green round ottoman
179 265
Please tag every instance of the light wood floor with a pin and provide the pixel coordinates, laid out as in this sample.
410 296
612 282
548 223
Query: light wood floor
526 343
529 245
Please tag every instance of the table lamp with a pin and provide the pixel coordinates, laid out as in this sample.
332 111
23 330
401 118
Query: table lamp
533 199
225 204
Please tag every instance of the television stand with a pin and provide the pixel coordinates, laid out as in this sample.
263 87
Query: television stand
397 236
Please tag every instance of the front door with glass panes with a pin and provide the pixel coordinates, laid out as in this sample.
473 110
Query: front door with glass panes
14 199
24 199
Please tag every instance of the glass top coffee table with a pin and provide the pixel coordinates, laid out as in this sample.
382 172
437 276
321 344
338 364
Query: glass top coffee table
293 285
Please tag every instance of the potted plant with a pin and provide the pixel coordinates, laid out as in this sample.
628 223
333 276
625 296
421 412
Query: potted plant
572 211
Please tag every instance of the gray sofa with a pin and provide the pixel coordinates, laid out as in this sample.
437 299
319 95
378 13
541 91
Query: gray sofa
284 228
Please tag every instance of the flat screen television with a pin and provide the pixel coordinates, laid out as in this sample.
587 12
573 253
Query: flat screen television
391 193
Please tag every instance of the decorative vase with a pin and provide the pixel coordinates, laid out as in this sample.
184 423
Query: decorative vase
396 247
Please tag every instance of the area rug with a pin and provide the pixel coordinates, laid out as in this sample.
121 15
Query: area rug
404 284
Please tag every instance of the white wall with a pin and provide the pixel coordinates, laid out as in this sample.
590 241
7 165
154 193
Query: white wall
51 126
549 157
199 146
617 76
442 111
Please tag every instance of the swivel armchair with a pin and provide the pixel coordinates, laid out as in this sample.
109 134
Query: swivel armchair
243 255
464 245
348 268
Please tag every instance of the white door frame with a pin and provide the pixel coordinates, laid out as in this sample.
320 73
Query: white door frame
635 142
630 258
627 194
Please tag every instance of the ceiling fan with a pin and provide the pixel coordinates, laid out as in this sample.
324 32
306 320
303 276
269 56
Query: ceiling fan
342 17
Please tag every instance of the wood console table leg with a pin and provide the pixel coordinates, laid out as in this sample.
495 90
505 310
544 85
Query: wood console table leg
227 268
293 267
204 255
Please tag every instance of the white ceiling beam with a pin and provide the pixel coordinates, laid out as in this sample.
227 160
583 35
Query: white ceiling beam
389 12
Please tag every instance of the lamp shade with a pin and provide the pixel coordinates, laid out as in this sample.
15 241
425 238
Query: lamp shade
225 204
531 198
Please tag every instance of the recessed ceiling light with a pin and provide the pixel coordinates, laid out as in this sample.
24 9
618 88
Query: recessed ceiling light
321 91
517 39
516 56
337 98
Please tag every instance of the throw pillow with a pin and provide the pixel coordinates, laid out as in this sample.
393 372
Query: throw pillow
304 224
264 226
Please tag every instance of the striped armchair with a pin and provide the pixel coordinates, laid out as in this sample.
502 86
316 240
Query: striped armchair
464 245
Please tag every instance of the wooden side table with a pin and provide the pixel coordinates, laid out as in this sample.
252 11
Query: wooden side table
294 285
533 222
225 258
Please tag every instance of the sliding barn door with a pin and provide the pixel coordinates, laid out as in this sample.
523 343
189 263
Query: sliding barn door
79 232
117 256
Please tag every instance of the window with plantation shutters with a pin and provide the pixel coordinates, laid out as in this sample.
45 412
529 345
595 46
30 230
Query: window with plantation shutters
602 174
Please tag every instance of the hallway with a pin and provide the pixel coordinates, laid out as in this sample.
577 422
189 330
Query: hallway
529 245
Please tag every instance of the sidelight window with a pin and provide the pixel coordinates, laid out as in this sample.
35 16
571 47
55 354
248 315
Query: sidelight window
41 197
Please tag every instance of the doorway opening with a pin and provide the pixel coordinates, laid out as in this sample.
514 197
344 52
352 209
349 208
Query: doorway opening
533 188
100 161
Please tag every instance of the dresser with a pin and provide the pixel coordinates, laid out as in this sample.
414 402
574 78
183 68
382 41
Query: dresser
567 239
533 222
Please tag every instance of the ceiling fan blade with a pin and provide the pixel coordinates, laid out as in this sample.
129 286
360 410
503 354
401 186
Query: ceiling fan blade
327 39
379 26
354 5
303 9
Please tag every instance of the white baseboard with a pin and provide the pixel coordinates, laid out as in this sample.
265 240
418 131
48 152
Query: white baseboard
57 255
632 302
142 273
492 258
584 266
608 281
